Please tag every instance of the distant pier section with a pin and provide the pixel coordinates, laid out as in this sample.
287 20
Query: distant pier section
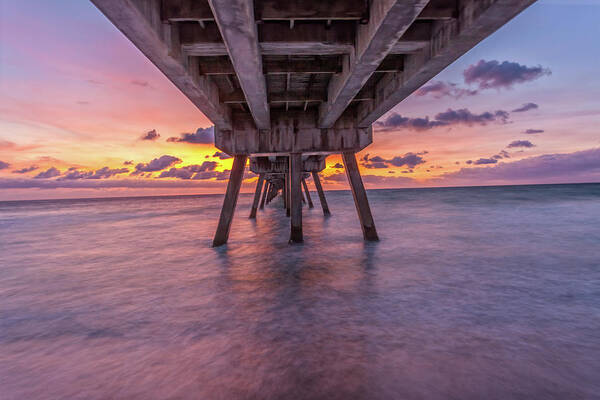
288 83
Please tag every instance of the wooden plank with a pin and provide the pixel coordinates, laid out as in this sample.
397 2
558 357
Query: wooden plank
388 20
223 66
259 187
264 195
194 10
230 201
140 23
308 199
450 40
322 198
238 97
296 198
360 197
235 19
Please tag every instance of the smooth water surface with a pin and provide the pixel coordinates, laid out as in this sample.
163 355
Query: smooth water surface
472 293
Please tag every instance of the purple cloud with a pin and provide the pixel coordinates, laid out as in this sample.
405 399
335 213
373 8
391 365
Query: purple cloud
526 107
439 89
409 160
464 116
495 74
482 161
150 135
398 121
520 143
533 131
26 169
157 164
337 165
49 173
4 165
188 171
102 173
202 136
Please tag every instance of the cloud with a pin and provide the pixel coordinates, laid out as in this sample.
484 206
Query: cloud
520 143
502 154
25 170
221 155
533 131
202 136
29 183
396 120
485 161
157 164
218 175
526 107
4 165
49 173
581 166
150 135
439 89
140 83
409 160
337 165
129 162
464 116
188 171
495 74
102 173
447 118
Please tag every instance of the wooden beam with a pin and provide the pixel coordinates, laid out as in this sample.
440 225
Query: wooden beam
360 197
222 66
264 194
450 39
288 194
193 10
230 201
238 97
308 199
235 19
140 22
257 192
388 20
322 198
295 169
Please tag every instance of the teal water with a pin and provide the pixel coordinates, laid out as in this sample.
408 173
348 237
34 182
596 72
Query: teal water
472 293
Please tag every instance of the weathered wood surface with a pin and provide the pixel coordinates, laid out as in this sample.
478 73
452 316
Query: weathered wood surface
230 201
296 198
307 192
291 132
360 197
259 186
321 193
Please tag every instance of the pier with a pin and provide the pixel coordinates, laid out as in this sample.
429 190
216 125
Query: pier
287 83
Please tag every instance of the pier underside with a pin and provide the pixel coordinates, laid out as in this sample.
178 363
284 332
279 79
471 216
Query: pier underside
287 82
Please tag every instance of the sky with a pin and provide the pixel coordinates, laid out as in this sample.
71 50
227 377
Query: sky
84 114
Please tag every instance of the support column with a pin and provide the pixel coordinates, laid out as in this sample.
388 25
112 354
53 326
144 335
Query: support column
231 196
288 193
264 195
310 203
295 178
360 197
321 194
284 192
259 187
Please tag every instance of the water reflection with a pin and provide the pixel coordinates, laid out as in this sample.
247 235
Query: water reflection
469 294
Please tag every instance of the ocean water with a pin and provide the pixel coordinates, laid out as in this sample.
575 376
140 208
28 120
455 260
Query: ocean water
472 293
